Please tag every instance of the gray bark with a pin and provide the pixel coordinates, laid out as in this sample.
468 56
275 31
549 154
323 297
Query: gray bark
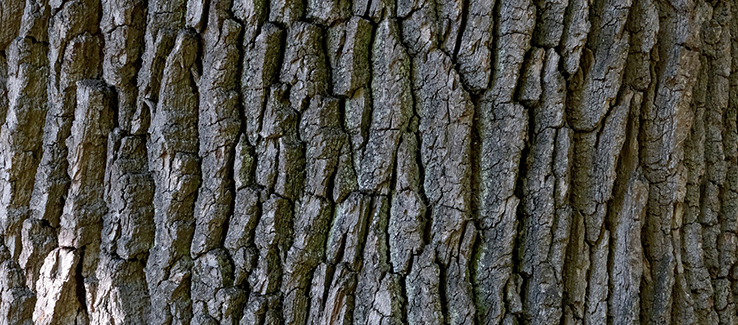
368 162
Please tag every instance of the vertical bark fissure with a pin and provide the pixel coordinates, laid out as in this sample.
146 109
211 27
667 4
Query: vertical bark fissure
368 161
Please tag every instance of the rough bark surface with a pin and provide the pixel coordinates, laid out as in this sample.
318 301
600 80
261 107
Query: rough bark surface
311 162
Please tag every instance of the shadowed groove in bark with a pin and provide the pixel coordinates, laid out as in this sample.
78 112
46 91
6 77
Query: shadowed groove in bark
368 161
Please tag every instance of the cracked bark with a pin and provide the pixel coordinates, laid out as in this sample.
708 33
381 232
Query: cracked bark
368 162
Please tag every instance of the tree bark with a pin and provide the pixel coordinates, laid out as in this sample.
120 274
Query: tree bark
368 162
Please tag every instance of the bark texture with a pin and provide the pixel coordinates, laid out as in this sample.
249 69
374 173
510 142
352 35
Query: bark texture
307 162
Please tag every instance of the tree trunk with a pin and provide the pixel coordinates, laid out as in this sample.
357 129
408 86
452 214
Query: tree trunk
368 162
